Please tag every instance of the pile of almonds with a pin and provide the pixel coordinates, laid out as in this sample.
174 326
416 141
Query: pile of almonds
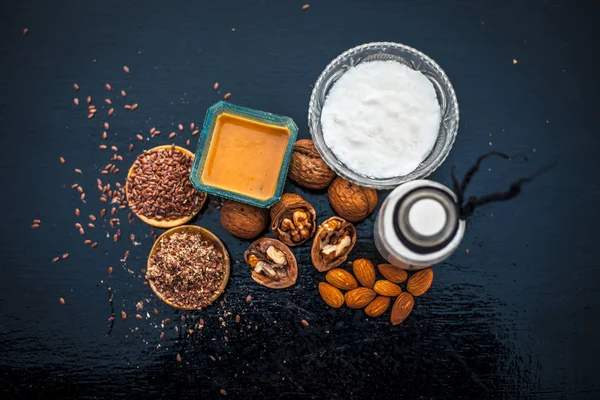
375 296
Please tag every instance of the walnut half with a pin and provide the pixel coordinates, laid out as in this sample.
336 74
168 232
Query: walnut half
332 243
273 263
293 219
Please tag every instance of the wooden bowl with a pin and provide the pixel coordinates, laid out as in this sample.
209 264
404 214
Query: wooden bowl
173 222
206 235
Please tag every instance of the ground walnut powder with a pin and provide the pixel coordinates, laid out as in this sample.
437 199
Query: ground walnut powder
187 270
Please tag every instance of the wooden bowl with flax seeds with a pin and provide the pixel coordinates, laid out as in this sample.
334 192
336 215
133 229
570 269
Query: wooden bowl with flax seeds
159 190
188 267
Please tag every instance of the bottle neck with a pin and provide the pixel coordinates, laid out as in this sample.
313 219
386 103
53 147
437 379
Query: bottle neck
425 219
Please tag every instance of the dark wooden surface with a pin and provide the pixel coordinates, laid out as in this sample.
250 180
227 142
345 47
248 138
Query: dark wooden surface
513 314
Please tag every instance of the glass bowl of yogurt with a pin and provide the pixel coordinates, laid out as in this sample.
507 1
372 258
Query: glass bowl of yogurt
382 114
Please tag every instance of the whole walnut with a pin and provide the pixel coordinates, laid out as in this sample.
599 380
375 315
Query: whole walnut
307 168
351 202
243 220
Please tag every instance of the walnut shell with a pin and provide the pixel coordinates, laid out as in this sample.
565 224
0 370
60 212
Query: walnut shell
331 233
243 220
293 219
350 201
285 275
307 168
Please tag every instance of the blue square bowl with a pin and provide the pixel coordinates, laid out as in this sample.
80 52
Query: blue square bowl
262 117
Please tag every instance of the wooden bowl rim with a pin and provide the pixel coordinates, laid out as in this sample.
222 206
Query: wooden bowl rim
207 235
173 222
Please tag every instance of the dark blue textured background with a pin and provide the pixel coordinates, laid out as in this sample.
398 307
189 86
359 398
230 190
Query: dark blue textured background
514 317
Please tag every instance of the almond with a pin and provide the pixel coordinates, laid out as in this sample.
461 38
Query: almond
360 297
364 272
331 295
393 273
341 279
387 288
420 282
402 308
377 306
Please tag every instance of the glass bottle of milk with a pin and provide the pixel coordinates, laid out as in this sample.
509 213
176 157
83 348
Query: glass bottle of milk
418 225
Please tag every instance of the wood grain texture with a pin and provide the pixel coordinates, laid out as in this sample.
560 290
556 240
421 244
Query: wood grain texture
514 317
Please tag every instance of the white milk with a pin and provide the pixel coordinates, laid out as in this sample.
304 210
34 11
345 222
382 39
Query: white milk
381 119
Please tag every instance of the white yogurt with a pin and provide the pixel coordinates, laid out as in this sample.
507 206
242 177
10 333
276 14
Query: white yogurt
381 119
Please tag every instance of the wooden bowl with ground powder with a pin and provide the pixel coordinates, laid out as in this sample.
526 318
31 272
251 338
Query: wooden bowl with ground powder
158 188
188 267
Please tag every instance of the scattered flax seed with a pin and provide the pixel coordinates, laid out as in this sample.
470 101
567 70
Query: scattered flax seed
305 7
304 322
62 301
79 189
104 135
93 111
212 357
131 147
216 86
111 111
103 212
77 225
90 116
139 137
110 270
82 196
515 61
132 237
104 172
187 142
94 244
138 316
113 211
92 226
76 101
178 357
92 217
227 96
126 69
77 171
89 99
87 241
103 147
55 259
66 255
77 212
467 251
155 311
134 106
127 107
108 101
152 130
62 160
114 148
180 127
108 87
172 135
237 319
75 86
194 133
123 93
35 226
74 186
192 126
162 335
25 32
106 126
248 299
81 231
115 237
123 315
223 392
37 221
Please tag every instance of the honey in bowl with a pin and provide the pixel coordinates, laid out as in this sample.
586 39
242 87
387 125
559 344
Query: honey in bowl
245 156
